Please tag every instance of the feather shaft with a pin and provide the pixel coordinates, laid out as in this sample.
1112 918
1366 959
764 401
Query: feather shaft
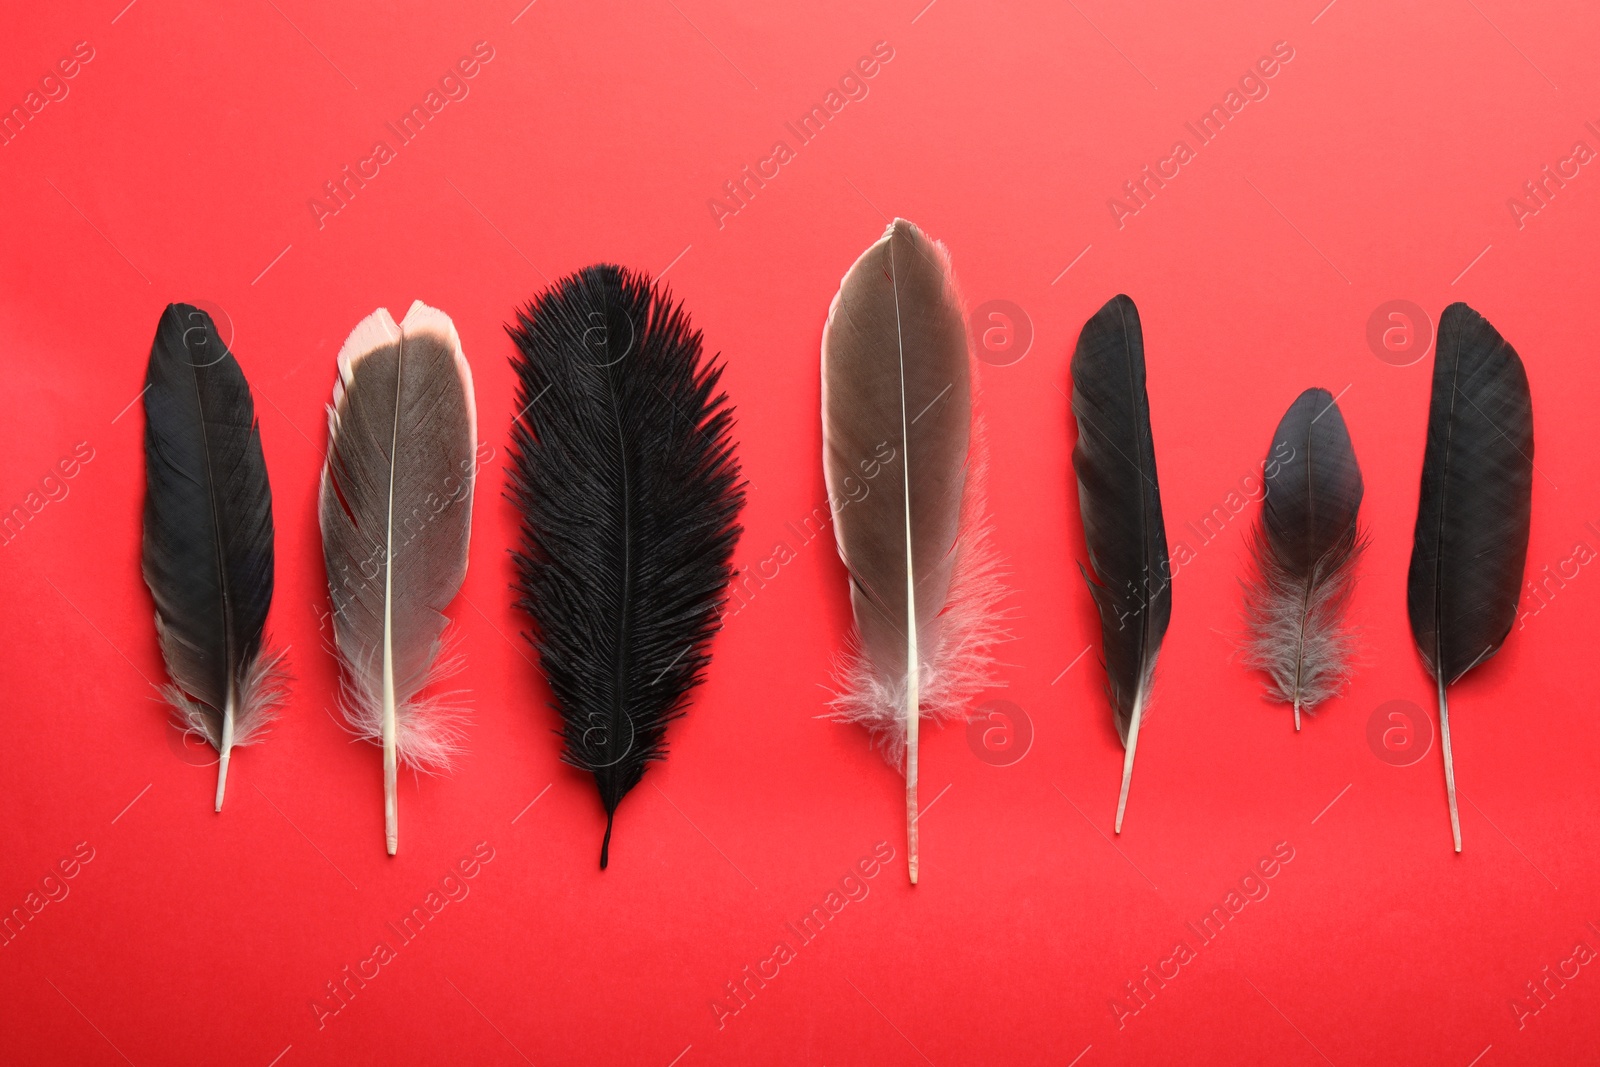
390 724
1449 766
226 750
1300 648
913 712
1127 759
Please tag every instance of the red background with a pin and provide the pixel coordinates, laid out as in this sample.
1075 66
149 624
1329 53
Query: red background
180 167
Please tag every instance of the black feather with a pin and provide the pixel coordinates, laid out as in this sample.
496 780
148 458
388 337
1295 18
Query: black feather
624 472
208 555
1477 494
1129 573
1305 548
1473 512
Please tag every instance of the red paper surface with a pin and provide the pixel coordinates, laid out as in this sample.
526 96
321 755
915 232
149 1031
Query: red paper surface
1376 164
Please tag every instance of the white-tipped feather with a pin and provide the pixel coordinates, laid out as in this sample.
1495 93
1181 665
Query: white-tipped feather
396 511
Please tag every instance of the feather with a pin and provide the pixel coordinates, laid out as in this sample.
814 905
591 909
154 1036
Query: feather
904 468
1304 548
624 473
396 512
1473 512
208 536
1129 574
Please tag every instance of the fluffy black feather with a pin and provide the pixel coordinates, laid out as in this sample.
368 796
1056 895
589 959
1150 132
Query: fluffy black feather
208 556
1305 548
624 472
1129 573
1474 509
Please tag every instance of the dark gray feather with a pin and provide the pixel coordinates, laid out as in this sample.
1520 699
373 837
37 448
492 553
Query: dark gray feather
1304 548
